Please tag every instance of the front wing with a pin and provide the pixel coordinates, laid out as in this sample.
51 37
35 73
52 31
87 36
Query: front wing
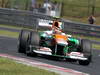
72 55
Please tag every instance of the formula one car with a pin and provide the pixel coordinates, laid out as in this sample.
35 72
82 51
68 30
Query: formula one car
55 43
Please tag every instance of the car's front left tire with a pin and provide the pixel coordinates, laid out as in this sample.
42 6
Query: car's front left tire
22 40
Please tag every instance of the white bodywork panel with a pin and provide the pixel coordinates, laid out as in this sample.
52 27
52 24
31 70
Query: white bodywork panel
46 23
77 55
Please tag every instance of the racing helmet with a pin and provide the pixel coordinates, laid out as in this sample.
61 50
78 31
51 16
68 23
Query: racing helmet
57 25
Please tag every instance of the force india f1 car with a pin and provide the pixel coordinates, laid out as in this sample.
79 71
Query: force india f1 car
55 43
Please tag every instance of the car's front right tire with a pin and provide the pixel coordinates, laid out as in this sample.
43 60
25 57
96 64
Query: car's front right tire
87 51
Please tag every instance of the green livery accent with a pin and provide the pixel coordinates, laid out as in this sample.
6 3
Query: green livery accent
76 41
43 34
65 49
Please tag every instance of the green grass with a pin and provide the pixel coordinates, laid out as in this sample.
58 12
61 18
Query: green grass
13 26
9 33
86 37
96 46
10 67
79 7
80 10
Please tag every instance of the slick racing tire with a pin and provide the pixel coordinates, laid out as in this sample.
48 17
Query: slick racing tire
23 40
33 42
34 38
87 51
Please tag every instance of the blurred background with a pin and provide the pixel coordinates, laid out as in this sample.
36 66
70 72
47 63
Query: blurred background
75 10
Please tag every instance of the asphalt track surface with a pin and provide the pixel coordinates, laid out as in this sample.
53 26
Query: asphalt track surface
9 46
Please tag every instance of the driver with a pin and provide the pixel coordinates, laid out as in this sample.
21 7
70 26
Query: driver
56 27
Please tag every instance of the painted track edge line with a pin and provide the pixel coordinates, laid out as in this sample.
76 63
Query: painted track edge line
60 70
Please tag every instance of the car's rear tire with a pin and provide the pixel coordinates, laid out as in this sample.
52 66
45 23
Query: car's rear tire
87 51
33 40
22 40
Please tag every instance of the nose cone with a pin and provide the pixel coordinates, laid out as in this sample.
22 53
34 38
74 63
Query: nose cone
61 41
